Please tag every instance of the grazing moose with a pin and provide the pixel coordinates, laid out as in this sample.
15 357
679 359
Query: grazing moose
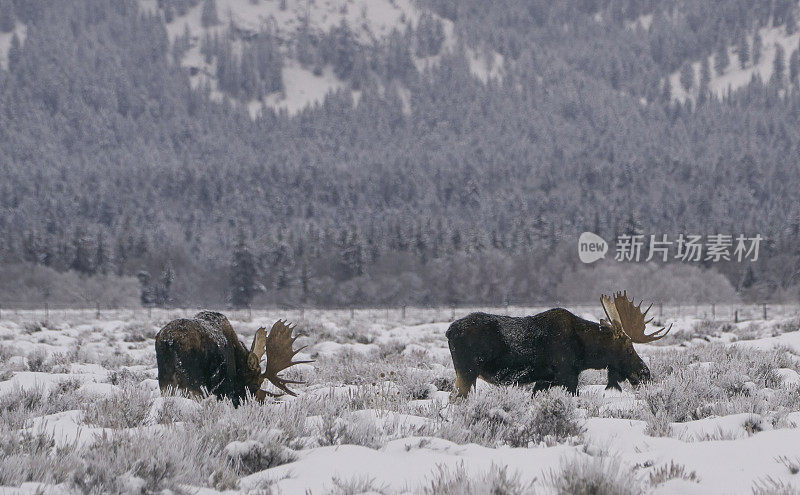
550 348
203 355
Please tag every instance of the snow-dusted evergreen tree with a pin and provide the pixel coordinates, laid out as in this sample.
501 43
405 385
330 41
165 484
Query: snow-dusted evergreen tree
757 47
794 66
82 256
666 91
398 56
146 297
351 254
778 65
791 22
242 273
101 257
687 76
164 289
209 16
429 35
721 59
6 16
705 78
13 53
742 48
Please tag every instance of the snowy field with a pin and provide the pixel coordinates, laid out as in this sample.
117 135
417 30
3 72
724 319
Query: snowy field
80 412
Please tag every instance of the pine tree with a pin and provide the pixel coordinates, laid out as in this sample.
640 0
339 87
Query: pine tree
164 292
791 23
6 16
778 65
14 53
615 72
757 48
101 260
181 6
429 36
721 59
705 78
666 93
742 49
344 51
794 66
209 16
81 259
169 13
360 73
146 296
687 76
398 56
305 279
352 254
242 273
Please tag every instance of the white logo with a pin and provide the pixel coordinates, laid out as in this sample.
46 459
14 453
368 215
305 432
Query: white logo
591 247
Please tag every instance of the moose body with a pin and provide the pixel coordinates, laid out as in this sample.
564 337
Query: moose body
203 355
551 348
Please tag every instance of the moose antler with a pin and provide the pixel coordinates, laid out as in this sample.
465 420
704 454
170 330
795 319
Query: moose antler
259 346
278 346
630 319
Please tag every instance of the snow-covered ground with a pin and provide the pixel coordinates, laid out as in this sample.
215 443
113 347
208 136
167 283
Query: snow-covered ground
80 411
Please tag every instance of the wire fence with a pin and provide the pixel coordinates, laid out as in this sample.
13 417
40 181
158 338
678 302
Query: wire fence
401 314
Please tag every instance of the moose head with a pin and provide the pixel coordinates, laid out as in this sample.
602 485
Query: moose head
203 355
626 324
278 348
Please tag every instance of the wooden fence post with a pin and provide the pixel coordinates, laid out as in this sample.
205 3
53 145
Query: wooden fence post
764 305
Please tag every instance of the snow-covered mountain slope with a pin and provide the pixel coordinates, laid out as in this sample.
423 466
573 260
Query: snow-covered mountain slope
370 21
734 77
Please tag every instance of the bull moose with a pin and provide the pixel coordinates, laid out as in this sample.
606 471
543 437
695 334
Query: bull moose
203 355
551 348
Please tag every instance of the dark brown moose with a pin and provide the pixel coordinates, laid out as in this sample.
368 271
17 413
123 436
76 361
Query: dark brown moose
550 348
203 355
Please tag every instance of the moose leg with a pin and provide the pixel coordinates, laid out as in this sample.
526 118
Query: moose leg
465 380
571 384
613 379
567 379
